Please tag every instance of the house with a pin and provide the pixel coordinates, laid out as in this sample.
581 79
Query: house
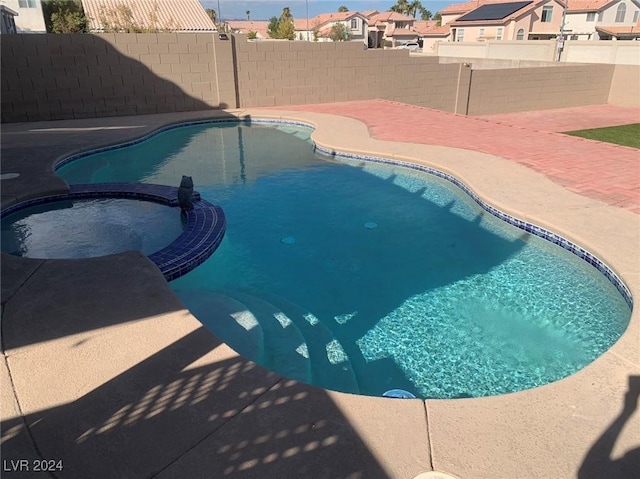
28 16
168 15
521 20
602 20
390 28
260 27
319 27
433 35
7 21
583 20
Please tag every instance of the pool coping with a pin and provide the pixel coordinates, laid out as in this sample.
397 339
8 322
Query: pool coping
544 432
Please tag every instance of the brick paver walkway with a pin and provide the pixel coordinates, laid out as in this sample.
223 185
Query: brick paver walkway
602 171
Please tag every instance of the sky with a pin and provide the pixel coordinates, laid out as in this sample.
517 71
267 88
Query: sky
265 9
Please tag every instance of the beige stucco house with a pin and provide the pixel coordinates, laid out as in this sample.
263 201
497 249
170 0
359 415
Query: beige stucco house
603 19
28 16
583 20
319 27
390 27
522 20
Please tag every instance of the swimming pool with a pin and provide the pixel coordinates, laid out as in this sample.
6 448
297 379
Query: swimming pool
363 277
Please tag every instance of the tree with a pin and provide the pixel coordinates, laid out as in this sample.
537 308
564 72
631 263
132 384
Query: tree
401 6
342 9
409 9
414 7
286 27
251 35
248 12
425 14
283 27
272 28
438 17
64 16
212 14
339 33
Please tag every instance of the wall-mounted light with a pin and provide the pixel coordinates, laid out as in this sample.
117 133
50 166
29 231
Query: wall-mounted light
223 36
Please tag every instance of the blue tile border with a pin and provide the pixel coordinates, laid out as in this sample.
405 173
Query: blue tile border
206 223
523 225
518 223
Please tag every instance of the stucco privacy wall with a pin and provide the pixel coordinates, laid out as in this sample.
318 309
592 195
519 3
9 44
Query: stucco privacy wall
522 89
288 73
624 86
52 77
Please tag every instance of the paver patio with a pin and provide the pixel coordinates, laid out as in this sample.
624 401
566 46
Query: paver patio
602 171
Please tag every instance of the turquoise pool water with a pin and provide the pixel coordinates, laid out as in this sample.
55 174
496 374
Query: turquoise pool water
363 277
89 228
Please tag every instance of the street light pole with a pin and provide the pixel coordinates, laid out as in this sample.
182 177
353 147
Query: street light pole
220 16
561 39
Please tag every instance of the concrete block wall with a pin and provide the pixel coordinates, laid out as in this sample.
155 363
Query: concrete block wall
522 89
289 73
624 86
51 77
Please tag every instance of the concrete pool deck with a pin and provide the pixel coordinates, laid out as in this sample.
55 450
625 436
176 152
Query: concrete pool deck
106 371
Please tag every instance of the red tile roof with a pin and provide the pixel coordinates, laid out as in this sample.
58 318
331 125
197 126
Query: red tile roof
587 5
320 20
246 26
441 31
174 15
628 31
423 26
390 17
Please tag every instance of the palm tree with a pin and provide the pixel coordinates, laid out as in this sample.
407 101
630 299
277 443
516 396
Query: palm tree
342 9
414 7
425 14
401 6
248 14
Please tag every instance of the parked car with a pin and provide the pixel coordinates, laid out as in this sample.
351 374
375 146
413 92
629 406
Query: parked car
411 46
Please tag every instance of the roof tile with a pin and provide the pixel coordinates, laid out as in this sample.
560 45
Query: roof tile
176 15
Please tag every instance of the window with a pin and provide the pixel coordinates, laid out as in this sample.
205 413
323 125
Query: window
354 24
499 34
546 14
600 16
460 35
591 17
520 34
622 10
27 3
636 14
481 32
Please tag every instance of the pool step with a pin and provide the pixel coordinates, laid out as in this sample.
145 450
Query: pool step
237 325
330 365
285 348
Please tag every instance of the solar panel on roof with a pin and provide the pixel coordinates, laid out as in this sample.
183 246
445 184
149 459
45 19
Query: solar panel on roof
496 11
